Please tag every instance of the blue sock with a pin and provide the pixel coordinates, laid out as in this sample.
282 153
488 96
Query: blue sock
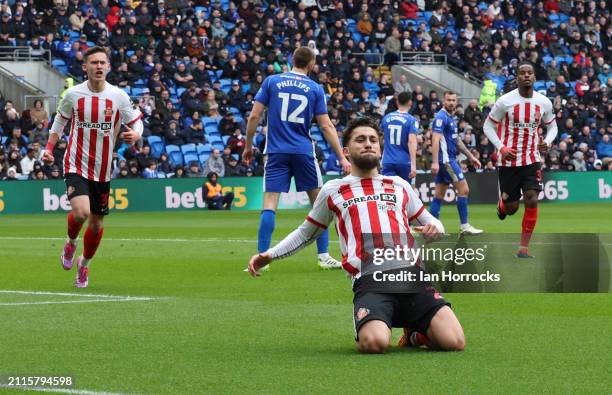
266 227
462 203
434 208
323 242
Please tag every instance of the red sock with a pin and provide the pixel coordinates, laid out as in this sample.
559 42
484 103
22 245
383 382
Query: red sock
502 206
91 242
73 227
530 217
418 339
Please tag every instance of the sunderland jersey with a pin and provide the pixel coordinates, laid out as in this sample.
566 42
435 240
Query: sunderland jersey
380 206
95 118
292 100
518 120
445 124
397 126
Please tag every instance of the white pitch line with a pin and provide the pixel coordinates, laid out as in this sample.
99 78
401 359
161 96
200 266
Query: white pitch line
10 291
209 240
59 390
73 301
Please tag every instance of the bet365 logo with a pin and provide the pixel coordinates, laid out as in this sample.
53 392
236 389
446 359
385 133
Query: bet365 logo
605 190
117 199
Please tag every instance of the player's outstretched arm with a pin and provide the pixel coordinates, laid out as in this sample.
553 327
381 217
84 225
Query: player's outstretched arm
253 121
467 153
331 136
435 150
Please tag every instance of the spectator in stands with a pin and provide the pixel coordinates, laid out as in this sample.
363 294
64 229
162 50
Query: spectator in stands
28 161
14 161
578 161
194 134
150 171
236 142
194 170
54 173
182 77
228 125
172 134
192 102
236 98
17 137
143 157
38 113
402 85
214 164
233 168
604 149
211 104
215 200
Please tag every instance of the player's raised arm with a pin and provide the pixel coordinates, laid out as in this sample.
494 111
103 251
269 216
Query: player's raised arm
63 115
252 123
319 217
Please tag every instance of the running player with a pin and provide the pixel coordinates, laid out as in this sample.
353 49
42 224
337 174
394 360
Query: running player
95 109
444 144
512 127
292 100
400 131
367 203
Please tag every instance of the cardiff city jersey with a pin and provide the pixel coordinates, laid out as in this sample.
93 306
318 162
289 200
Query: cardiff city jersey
292 100
397 126
444 124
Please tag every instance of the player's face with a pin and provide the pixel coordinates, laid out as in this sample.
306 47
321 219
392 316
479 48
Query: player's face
450 103
364 148
97 66
526 76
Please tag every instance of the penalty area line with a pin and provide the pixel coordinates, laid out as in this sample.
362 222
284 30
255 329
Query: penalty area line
59 390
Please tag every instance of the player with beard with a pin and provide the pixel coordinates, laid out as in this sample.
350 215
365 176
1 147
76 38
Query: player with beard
367 203
512 127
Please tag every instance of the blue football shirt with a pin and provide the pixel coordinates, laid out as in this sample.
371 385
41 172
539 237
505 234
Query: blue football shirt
396 127
444 123
292 100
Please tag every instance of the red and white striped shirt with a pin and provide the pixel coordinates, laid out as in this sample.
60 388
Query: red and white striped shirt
95 121
518 120
377 206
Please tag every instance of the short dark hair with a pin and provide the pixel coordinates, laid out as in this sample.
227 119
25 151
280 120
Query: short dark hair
524 63
446 93
96 49
403 98
356 123
302 57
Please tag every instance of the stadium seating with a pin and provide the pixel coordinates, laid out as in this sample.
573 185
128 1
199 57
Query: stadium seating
157 146
175 155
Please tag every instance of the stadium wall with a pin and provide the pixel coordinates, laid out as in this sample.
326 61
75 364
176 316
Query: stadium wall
34 197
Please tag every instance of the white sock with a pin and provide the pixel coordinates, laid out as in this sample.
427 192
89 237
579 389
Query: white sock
464 226
85 261
324 256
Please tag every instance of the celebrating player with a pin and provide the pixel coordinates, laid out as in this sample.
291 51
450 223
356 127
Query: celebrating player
400 130
444 144
367 203
95 109
512 127
292 99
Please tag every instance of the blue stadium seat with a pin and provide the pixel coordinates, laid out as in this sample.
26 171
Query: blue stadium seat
191 157
236 156
188 149
136 92
174 155
203 158
245 88
211 129
4 138
218 145
58 63
203 149
140 83
547 59
539 85
208 121
157 146
225 138
213 138
180 91
234 110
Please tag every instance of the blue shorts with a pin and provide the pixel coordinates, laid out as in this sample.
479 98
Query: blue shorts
449 173
394 169
281 167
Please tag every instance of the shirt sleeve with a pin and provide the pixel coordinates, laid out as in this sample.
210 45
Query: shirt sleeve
64 109
128 113
262 95
438 124
414 207
548 116
497 112
320 214
413 126
320 102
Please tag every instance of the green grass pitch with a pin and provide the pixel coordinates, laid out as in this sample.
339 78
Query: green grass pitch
213 329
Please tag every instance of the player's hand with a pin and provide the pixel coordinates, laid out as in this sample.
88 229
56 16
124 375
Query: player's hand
47 157
476 163
412 173
257 262
346 166
435 167
247 155
508 153
130 136
543 148
429 232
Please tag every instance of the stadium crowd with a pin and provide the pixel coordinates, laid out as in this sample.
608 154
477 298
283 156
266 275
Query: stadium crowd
193 68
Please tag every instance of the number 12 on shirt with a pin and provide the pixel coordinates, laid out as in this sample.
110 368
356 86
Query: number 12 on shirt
295 114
